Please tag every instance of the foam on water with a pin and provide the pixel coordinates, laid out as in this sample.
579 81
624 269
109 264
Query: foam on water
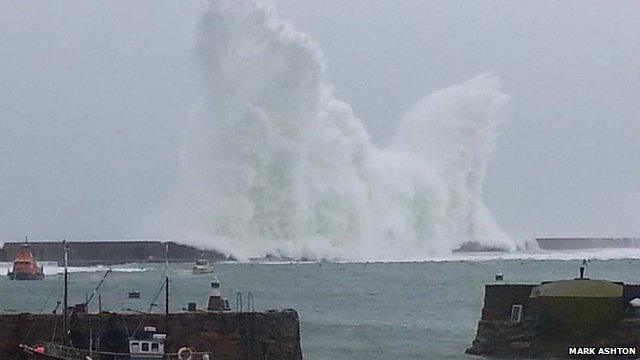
538 255
52 268
273 163
568 255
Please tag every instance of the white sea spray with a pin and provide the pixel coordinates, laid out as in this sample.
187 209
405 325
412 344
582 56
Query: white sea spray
273 163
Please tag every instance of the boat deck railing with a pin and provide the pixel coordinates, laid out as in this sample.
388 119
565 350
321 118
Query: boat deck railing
71 353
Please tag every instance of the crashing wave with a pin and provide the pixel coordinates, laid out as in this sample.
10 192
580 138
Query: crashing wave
273 163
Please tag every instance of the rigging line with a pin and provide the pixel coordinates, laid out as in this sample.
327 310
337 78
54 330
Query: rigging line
122 317
55 325
40 311
93 294
159 292
144 315
34 321
124 320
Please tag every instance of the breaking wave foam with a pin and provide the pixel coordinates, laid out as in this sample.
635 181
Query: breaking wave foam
273 163
52 268
541 255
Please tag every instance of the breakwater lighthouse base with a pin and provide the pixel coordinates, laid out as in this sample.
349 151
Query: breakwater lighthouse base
559 319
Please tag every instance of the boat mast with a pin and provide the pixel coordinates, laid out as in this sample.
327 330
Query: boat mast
166 279
66 292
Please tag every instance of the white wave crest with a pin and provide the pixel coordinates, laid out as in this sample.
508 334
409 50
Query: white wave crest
52 268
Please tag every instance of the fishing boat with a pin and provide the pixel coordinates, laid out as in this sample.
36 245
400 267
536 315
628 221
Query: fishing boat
140 349
25 266
147 344
202 266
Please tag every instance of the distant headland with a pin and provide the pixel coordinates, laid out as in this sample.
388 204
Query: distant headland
97 252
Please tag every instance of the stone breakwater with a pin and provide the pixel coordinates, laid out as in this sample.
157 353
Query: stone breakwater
228 336
553 244
87 253
501 334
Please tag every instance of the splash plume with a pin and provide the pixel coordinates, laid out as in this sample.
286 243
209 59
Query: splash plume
273 163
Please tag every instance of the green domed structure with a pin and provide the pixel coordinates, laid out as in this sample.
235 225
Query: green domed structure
577 308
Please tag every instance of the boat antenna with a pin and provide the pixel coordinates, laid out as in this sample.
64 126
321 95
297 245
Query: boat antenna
66 291
166 280
166 258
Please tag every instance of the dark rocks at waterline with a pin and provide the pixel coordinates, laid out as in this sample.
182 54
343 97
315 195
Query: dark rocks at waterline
474 246
228 336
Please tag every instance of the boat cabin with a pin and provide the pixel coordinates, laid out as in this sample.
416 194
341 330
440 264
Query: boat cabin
202 266
202 262
147 345
25 266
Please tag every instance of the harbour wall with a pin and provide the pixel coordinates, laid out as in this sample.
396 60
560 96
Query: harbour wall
228 336
86 253
82 253
587 243
498 336
560 244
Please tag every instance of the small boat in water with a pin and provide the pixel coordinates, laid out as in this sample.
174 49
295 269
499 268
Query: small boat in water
202 266
25 266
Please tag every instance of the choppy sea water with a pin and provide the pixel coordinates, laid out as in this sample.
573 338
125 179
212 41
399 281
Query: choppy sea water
348 311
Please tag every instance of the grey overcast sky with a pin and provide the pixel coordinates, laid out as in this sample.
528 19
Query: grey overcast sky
94 96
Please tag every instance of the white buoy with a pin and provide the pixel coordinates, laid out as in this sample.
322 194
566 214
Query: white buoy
635 302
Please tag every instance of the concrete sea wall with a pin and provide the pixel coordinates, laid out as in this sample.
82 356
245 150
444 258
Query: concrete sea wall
554 244
586 243
228 336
